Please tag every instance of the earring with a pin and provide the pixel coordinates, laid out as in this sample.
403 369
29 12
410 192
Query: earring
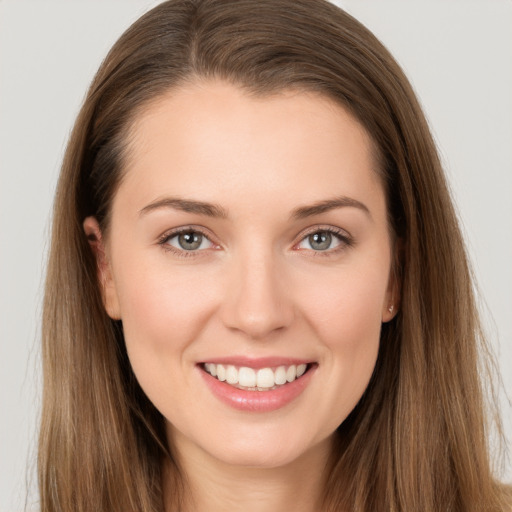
390 309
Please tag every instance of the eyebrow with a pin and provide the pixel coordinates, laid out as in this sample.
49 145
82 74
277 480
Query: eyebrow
186 205
217 211
329 204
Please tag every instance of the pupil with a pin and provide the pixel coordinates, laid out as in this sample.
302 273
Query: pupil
190 241
320 241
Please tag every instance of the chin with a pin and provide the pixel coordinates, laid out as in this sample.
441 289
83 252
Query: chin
271 448
256 457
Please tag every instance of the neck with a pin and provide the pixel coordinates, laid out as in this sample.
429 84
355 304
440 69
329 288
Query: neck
213 485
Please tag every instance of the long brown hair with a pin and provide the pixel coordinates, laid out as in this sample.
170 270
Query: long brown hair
418 439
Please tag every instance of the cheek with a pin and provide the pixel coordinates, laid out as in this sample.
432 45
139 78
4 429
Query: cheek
162 312
347 308
350 329
346 316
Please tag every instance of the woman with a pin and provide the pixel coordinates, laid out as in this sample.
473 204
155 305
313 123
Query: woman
258 294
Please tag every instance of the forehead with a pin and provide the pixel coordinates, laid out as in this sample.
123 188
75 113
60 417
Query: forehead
211 136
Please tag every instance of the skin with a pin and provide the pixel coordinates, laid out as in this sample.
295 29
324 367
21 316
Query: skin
256 288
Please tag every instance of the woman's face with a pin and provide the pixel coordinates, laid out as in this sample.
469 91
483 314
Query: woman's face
249 240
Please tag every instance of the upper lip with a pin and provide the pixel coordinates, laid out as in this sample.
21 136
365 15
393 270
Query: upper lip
257 362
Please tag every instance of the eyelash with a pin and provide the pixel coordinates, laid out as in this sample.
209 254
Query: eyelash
346 241
164 239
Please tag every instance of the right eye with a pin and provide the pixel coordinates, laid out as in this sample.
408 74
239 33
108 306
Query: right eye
188 240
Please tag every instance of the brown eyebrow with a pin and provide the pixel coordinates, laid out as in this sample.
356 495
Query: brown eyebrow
186 205
329 204
217 211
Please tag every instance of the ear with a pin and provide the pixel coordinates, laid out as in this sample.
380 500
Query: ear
391 304
105 278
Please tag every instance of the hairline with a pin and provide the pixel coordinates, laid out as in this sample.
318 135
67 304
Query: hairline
127 135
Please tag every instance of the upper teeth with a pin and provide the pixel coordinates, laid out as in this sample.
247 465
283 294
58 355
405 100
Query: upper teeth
264 378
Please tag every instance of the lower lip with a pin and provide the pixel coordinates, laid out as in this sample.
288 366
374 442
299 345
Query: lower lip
258 401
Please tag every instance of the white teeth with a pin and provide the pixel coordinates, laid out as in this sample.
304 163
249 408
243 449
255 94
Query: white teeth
280 376
291 373
231 375
221 373
247 377
301 368
265 378
211 369
262 379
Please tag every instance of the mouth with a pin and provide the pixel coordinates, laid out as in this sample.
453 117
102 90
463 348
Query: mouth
256 379
257 385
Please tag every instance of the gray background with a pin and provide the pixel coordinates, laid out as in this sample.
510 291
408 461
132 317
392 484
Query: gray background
458 55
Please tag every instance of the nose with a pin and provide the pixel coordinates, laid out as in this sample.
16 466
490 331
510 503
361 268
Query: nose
257 301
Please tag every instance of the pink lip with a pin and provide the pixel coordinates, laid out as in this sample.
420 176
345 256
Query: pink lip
257 401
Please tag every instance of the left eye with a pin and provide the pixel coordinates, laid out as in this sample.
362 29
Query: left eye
322 240
189 241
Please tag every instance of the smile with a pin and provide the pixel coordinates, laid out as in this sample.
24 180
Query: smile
264 385
249 379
